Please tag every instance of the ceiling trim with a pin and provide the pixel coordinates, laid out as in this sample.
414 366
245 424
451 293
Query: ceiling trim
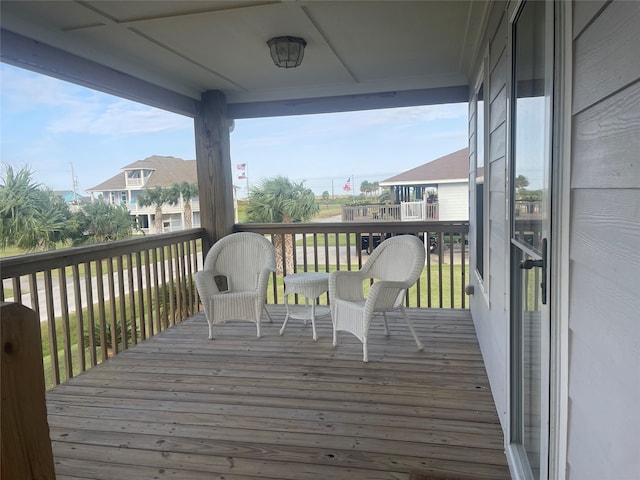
349 103
32 55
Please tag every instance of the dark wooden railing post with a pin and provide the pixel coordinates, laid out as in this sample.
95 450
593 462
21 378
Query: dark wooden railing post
24 434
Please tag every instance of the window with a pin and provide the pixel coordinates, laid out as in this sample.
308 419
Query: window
479 183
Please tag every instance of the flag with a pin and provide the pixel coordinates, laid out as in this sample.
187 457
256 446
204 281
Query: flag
347 186
241 166
242 176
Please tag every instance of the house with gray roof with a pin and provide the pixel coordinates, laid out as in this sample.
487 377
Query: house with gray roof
155 171
443 181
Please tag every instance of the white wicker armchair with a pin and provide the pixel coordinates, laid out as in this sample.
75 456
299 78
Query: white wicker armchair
244 260
395 265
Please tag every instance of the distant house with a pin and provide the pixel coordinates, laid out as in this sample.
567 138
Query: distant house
444 180
155 171
71 197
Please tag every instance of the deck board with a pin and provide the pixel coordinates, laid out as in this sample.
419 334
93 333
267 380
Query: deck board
180 406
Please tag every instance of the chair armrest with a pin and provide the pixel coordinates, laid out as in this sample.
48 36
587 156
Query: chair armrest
346 285
384 295
205 284
263 279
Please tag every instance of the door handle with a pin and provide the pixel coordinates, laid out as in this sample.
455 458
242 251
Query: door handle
529 264
542 263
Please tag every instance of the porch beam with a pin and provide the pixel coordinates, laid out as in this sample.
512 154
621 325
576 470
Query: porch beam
33 55
349 103
213 163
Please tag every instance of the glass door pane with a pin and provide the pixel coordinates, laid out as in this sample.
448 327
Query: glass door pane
530 166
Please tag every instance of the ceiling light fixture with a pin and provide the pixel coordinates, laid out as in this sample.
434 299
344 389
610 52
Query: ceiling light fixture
287 52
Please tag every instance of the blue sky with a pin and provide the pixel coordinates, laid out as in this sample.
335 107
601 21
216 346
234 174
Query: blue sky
49 125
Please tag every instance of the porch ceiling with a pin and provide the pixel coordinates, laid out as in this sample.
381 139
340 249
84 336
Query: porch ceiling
187 47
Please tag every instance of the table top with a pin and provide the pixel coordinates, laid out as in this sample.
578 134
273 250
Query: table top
306 277
309 284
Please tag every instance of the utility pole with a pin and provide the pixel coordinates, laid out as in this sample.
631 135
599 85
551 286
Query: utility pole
74 184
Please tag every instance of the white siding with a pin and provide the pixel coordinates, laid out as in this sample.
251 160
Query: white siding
453 201
604 318
489 311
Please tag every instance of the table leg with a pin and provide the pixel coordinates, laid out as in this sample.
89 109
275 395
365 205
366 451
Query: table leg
313 320
286 304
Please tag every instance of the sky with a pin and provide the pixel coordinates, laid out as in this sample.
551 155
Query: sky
54 126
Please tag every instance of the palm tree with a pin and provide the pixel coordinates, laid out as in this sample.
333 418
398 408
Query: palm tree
325 197
31 217
158 196
278 200
187 191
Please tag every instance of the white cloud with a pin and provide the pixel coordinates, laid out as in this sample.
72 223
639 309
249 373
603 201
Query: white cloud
118 118
81 110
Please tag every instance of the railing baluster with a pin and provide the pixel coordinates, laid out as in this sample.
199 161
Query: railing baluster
326 252
66 333
102 314
90 313
141 293
17 290
167 281
122 304
304 251
191 310
184 306
51 323
158 257
451 268
132 299
163 290
33 290
148 291
77 293
113 321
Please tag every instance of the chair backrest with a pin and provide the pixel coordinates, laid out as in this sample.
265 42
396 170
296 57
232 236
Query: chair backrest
241 257
400 259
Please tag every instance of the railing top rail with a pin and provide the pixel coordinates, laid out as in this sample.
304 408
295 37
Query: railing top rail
37 262
355 227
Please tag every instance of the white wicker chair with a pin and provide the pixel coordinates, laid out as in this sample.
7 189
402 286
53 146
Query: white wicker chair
395 265
245 260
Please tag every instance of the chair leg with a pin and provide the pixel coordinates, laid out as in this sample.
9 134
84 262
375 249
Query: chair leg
284 324
365 351
413 332
258 327
335 336
386 327
210 331
268 314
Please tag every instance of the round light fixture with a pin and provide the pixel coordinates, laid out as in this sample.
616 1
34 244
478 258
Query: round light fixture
287 52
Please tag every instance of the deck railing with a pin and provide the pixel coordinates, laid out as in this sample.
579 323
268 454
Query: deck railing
96 301
324 247
403 212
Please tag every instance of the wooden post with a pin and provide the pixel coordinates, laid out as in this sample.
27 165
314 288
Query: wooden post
25 444
213 160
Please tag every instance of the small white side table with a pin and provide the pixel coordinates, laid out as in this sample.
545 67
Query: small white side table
310 285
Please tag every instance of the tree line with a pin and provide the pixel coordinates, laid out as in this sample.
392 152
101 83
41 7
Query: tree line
34 218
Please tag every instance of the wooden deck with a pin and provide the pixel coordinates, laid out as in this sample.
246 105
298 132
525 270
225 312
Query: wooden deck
179 406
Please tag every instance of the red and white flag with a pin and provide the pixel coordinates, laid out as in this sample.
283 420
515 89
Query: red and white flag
241 166
242 176
347 186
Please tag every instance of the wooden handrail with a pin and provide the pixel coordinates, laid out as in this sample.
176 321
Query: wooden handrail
38 262
26 446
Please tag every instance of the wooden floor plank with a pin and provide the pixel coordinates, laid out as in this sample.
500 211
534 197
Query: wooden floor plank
180 406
